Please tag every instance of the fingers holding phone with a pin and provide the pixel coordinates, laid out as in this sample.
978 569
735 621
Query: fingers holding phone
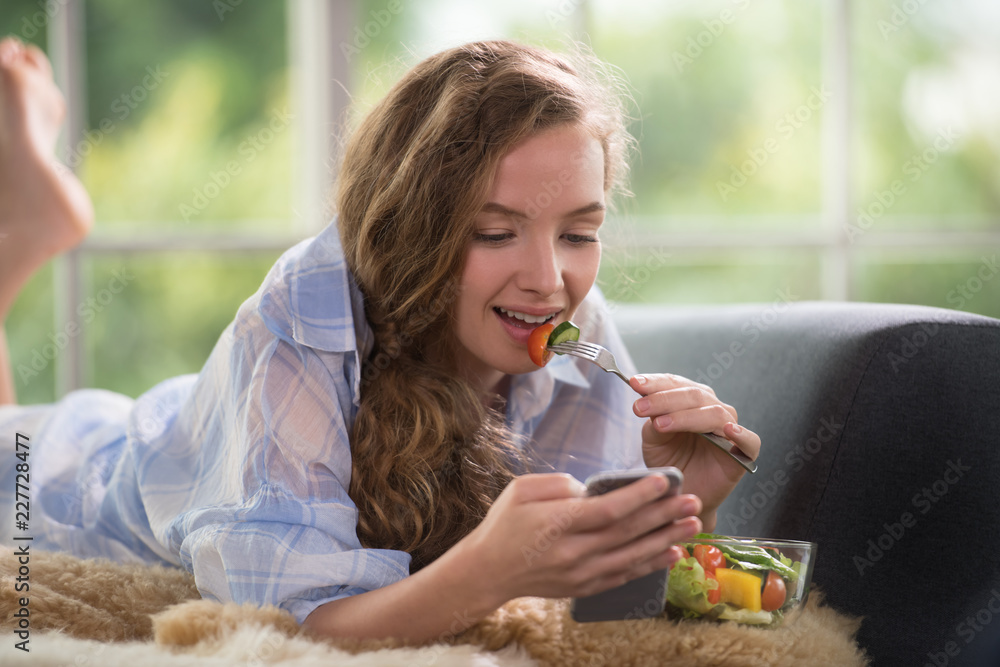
634 503
644 538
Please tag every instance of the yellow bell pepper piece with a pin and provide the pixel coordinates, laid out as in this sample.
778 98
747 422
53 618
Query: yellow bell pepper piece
739 588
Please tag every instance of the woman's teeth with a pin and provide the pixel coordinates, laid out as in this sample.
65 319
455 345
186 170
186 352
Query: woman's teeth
524 317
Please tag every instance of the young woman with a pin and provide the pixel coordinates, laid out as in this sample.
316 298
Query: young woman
369 445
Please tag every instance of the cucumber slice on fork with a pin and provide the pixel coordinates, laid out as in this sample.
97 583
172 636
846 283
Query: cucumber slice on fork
563 332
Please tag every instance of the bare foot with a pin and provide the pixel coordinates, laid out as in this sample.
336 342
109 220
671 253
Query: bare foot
44 209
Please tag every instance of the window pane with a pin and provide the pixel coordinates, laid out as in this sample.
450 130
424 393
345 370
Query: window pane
731 99
27 20
389 38
652 275
34 342
967 281
928 104
188 115
152 317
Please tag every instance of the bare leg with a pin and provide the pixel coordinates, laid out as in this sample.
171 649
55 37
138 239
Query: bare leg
44 209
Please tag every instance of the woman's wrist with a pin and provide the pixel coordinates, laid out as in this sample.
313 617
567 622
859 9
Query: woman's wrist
709 518
466 567
444 599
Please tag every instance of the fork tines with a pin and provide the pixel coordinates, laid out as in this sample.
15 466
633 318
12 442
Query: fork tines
577 347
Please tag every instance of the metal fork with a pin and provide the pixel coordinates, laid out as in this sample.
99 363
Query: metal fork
603 358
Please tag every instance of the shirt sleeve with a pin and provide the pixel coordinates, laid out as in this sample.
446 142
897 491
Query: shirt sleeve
269 520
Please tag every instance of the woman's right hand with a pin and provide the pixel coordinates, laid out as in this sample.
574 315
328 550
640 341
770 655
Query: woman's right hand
544 537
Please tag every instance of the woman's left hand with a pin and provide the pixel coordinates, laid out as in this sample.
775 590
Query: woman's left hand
679 410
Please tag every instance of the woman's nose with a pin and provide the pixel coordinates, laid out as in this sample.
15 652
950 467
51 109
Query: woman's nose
540 270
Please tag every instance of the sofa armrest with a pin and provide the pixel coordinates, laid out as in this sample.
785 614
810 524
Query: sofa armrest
880 427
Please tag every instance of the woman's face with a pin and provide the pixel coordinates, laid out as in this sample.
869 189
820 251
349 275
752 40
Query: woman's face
534 253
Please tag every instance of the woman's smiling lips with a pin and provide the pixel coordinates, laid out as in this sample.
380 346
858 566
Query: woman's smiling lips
519 328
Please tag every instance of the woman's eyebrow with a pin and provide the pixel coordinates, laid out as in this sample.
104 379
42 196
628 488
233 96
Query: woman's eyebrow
494 207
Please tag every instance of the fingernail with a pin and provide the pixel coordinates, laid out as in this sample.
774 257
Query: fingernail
641 379
662 483
736 427
642 405
663 421
690 508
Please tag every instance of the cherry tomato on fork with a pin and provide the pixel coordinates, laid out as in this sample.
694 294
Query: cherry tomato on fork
538 342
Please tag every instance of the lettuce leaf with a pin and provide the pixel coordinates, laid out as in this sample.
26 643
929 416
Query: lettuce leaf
688 587
752 557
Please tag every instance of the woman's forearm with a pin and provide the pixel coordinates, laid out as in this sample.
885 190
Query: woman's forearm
443 599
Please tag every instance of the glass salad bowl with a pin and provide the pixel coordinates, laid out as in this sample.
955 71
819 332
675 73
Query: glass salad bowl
752 581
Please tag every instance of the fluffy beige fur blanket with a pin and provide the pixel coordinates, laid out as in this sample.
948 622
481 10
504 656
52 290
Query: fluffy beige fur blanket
94 612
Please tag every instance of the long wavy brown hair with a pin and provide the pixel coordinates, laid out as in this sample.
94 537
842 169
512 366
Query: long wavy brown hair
429 455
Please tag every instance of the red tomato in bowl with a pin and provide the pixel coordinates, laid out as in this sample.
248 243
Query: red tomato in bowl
709 557
772 597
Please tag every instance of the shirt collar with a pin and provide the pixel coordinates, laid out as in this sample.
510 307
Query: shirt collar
532 393
312 300
327 306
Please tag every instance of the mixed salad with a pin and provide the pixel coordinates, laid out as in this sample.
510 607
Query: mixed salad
733 581
549 334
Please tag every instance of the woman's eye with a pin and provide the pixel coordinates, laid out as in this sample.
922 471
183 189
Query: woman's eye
492 238
581 239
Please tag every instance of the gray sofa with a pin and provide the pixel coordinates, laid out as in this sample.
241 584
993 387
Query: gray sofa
880 427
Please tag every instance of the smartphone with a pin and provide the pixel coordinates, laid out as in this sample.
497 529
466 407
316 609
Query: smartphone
640 598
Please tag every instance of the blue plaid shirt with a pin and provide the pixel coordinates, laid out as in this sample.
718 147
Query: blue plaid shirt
239 474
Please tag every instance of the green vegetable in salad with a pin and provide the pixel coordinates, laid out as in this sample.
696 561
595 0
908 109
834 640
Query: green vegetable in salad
688 587
563 332
751 557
